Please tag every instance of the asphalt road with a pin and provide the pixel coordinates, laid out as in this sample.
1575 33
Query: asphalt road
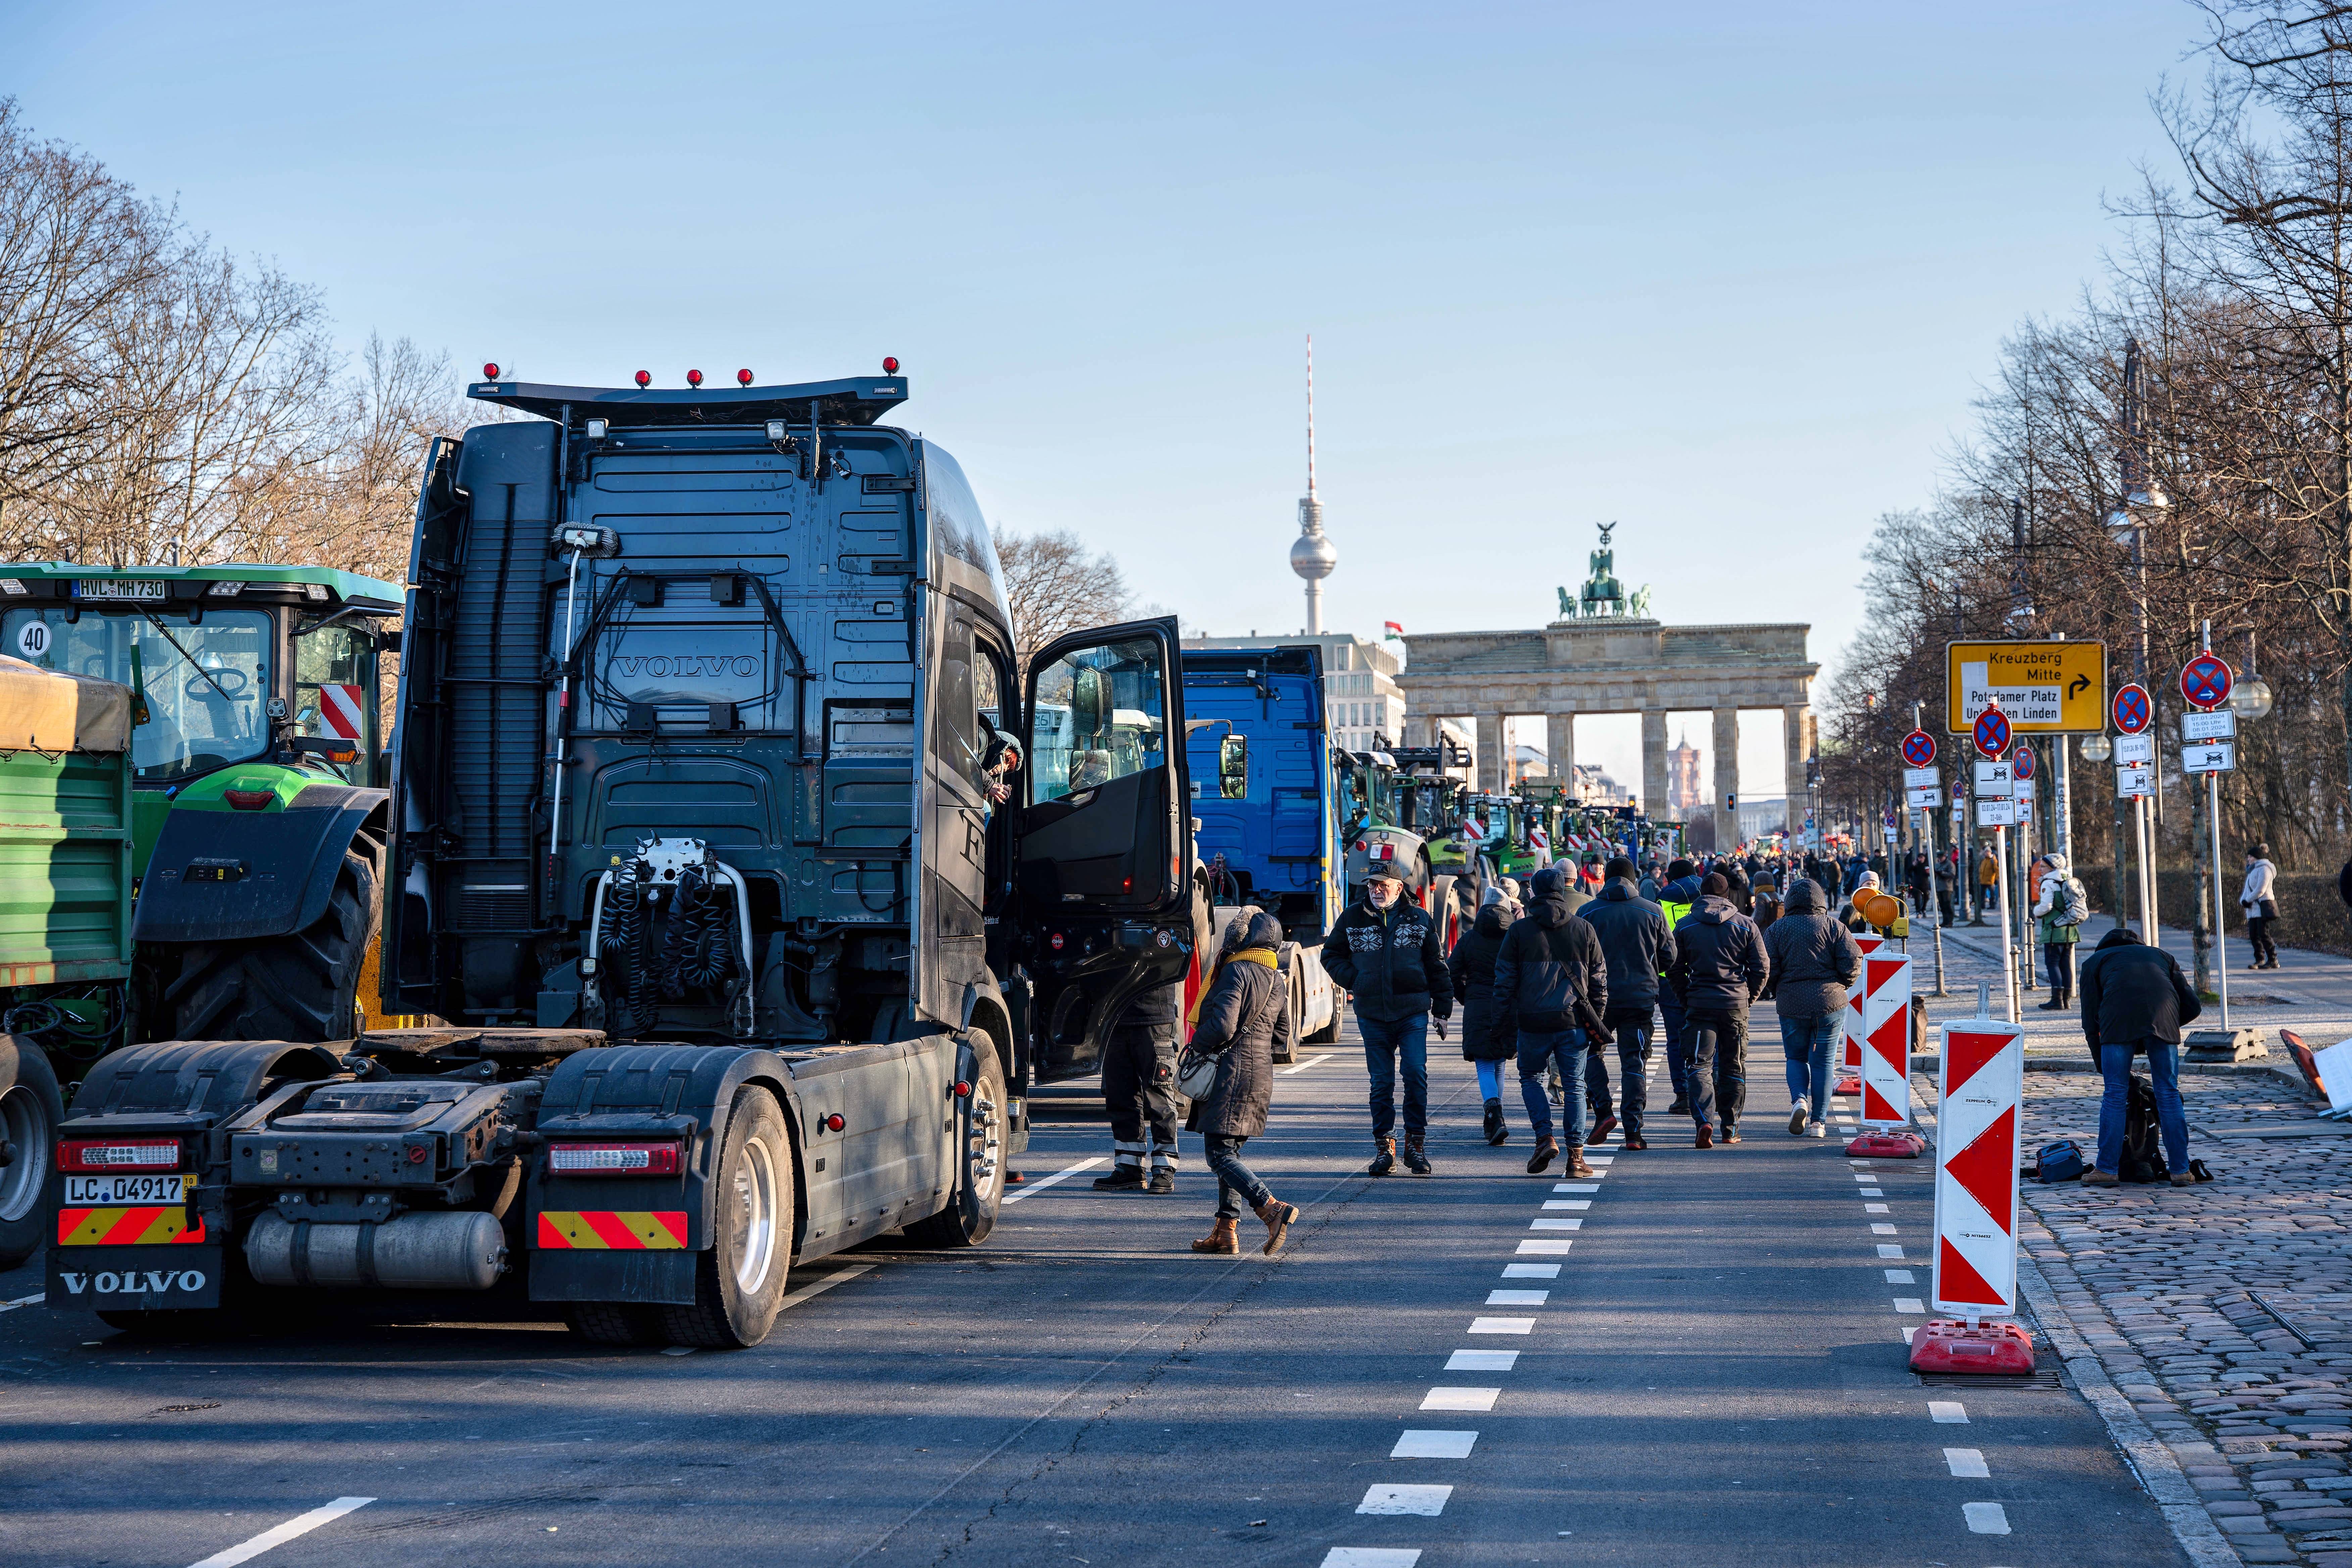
1717 1372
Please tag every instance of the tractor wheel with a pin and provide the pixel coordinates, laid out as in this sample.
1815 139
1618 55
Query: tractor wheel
299 988
739 1279
30 1109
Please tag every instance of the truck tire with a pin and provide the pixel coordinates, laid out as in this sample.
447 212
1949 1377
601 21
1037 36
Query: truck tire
31 1107
1297 1008
303 987
739 1279
616 1323
1329 1032
971 1212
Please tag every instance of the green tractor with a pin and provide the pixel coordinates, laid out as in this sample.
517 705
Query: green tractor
194 827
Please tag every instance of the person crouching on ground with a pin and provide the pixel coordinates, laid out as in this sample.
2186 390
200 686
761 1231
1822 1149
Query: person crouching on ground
1719 967
1551 981
1244 1014
2134 1002
1813 958
1486 1042
1384 952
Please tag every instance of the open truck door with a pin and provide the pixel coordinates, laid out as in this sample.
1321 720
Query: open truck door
1104 876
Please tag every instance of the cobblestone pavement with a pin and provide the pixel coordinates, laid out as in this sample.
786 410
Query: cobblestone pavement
2225 1310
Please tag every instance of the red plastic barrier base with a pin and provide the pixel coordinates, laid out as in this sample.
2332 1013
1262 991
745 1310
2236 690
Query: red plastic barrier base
1946 1345
1851 1087
1887 1146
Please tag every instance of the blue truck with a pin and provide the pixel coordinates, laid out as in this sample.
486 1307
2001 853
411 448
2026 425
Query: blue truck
1266 806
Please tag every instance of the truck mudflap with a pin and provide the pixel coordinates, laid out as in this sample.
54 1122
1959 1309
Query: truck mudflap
633 1238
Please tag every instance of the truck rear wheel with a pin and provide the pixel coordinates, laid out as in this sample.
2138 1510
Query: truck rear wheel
970 1213
30 1109
739 1280
303 987
616 1323
1297 1009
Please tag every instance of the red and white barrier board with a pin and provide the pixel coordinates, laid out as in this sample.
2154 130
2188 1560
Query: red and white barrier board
1854 1027
1976 1168
1886 995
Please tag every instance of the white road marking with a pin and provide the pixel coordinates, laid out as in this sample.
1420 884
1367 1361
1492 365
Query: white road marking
1947 1413
1909 1304
1905 1334
1967 1464
841 1277
1873 1192
1858 1165
21 1301
677 1350
1033 1188
278 1535
1530 1271
1599 1159
1873 1208
1302 1067
1576 1186
1517 1297
1371 1557
1900 1276
1985 1518
1568 1203
1555 1225
1482 1360
1544 1249
1502 1325
1426 1502
1880 1227
1426 1445
1886 1251
1461 1398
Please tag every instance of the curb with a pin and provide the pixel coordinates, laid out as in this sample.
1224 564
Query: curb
2152 1463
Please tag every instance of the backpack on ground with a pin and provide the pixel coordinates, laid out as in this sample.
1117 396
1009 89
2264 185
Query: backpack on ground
2059 1161
2143 1151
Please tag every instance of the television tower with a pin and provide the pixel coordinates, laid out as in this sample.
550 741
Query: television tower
1312 555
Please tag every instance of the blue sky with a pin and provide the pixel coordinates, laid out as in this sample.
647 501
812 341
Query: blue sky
1727 275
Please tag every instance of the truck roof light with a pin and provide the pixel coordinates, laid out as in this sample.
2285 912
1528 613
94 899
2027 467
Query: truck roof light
662 1158
226 589
694 378
315 591
597 427
118 1154
890 364
743 378
11 586
645 378
490 371
777 430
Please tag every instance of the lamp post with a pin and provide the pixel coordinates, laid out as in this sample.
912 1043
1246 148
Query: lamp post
2143 499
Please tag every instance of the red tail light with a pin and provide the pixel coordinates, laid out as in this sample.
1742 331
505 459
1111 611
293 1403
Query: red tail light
103 1154
963 1090
614 1159
249 799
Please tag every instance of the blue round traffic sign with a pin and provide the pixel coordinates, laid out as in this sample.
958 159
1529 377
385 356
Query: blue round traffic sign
1919 749
2021 762
1992 733
2205 681
2131 710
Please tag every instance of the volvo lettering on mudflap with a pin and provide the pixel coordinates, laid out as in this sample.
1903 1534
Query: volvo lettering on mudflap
745 879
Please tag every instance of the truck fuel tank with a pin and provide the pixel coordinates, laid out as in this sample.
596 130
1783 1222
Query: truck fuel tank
463 1251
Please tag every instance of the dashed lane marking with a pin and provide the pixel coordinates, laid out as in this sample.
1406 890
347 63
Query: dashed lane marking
1576 1186
21 1301
278 1535
1887 1250
839 1276
1985 1518
1967 1464
1555 1225
1371 1557
1900 1276
1909 1304
1568 1203
1461 1398
1530 1271
1517 1297
1426 1502
1947 1413
1873 1208
1302 1067
1544 1249
1482 1360
1502 1325
1881 1227
1427 1445
1033 1188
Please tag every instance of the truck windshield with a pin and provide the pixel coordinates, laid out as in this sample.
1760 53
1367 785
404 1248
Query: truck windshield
206 683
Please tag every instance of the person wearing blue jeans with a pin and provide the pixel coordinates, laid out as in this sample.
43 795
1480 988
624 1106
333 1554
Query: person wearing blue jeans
1385 1041
2134 999
1385 952
1564 1050
1551 981
1808 1043
2172 1119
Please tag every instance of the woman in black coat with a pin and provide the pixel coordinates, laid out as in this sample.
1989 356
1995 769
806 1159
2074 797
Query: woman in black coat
1245 1011
1486 1042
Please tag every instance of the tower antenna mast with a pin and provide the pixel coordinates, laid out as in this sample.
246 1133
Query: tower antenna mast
1312 555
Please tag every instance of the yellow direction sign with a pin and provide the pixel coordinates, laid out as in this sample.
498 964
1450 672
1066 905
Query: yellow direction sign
2043 688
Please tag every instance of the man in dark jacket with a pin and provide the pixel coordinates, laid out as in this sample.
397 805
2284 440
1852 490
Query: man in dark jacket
1639 946
2135 1000
1551 979
1677 898
1385 952
1138 1085
1813 958
1719 967
1487 1042
1244 1014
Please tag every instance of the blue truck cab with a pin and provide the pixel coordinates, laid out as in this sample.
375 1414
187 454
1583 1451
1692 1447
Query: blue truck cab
1264 805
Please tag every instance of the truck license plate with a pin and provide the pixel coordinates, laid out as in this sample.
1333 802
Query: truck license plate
121 588
101 1191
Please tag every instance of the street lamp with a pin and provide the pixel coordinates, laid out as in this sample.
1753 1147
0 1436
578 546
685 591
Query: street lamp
2097 748
2127 524
2251 698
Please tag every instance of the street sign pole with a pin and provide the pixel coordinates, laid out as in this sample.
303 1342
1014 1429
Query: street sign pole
1991 734
1928 837
2213 816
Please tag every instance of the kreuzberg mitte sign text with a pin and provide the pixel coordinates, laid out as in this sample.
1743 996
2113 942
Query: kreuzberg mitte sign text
2043 688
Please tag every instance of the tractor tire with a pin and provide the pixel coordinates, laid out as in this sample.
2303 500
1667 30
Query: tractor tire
1445 910
301 987
31 1107
970 1213
739 1279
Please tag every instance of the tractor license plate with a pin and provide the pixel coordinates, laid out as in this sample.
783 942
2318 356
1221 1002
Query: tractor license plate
172 1188
120 588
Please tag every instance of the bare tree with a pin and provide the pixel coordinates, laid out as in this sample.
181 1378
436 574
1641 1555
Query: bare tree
1057 584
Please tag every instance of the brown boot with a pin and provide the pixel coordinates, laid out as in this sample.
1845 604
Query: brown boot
1546 1151
1383 1157
1576 1165
1224 1236
1278 1216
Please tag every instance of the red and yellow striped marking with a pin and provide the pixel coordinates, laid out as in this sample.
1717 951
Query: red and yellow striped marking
618 1230
137 1226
